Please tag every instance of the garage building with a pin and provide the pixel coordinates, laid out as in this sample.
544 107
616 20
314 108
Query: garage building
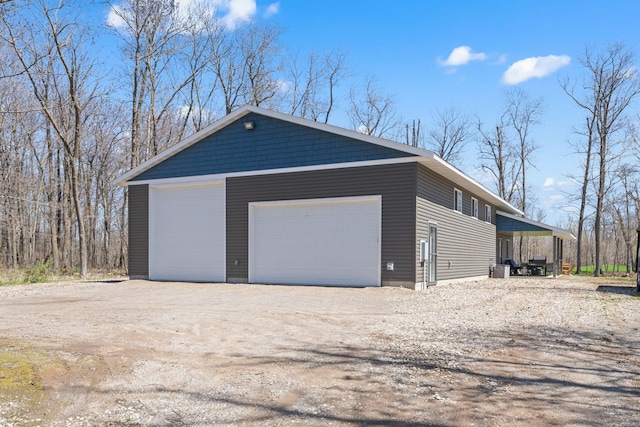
264 197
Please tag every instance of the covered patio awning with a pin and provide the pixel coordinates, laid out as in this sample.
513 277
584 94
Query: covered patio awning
509 226
518 226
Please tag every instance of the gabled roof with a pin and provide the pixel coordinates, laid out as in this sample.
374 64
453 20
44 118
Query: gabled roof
385 152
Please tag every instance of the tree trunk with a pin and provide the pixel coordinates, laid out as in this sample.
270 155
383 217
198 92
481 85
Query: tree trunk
583 193
599 202
82 242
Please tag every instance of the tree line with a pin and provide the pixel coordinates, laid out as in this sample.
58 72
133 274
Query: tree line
72 121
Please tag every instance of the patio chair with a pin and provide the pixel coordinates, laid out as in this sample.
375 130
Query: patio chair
515 268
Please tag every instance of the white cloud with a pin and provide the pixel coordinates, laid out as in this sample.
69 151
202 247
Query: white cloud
113 18
232 13
548 182
461 55
539 66
362 129
567 183
205 114
284 86
272 9
239 11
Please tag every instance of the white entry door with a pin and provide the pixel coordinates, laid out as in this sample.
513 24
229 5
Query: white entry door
187 233
316 242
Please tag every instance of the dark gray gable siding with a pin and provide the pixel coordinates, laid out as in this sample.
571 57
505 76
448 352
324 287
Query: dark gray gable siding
139 231
272 144
396 184
466 245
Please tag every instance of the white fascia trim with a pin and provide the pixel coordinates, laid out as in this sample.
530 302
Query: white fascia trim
203 183
555 231
243 111
217 177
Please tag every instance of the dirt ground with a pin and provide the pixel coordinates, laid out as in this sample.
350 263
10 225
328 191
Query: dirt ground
497 352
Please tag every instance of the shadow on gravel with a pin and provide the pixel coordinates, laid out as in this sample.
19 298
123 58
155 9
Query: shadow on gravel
260 413
551 375
623 290
541 376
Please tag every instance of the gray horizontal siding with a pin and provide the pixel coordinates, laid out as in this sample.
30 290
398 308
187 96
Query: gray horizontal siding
138 231
466 245
272 144
396 184
437 189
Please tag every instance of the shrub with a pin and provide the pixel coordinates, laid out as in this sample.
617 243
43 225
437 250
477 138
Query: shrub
38 273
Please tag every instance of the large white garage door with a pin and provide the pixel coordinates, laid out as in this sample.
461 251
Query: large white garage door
187 233
316 242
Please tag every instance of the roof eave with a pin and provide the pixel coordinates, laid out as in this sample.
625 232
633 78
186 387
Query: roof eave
438 165
555 231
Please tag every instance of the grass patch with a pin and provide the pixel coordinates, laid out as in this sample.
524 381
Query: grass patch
44 272
21 391
606 269
39 273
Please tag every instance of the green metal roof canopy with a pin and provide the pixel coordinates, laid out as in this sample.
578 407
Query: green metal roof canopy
519 226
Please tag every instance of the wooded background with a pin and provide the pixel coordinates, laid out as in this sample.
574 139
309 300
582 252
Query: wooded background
72 121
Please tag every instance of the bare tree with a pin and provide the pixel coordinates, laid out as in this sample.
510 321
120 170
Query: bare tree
245 63
229 71
334 70
449 133
499 158
309 88
153 36
524 112
413 133
58 54
200 102
610 87
587 151
623 207
372 112
260 53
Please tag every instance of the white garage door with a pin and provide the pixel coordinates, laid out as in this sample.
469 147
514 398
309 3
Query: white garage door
187 233
316 242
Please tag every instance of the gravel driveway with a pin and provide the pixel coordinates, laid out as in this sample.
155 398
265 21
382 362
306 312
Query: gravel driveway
494 352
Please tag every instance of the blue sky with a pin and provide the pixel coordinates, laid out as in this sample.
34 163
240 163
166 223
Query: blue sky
406 45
